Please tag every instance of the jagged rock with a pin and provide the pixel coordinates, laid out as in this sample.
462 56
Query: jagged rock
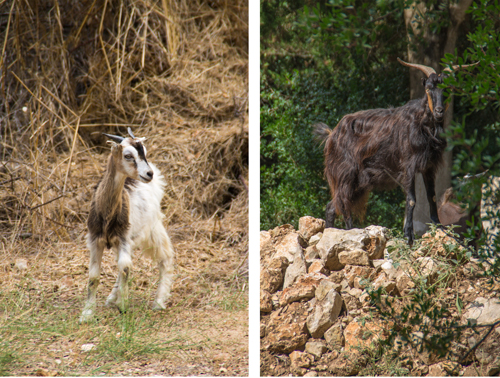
355 292
403 282
287 329
353 271
361 283
311 254
378 262
428 267
336 277
494 367
389 269
434 245
489 350
351 302
420 371
335 241
265 239
289 247
315 238
334 336
317 266
295 270
262 330
316 347
324 288
301 359
309 226
271 277
266 303
483 311
311 373
354 257
344 366
364 299
359 335
378 240
383 281
437 370
451 367
324 314
303 288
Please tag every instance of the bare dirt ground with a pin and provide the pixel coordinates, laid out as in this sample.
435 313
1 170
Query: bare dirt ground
176 72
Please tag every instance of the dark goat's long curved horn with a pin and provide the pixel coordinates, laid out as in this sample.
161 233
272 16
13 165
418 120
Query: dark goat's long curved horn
115 138
456 67
130 132
425 69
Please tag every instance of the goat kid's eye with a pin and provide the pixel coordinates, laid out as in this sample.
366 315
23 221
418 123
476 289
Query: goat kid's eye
129 157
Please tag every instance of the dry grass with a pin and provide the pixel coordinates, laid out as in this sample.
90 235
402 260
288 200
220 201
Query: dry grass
176 73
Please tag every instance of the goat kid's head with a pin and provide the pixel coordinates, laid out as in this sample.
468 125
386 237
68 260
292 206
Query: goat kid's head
435 98
130 156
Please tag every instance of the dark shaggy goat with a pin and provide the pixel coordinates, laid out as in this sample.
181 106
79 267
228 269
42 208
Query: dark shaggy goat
379 148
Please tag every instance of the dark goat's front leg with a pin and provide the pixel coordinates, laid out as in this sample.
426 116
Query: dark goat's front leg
330 215
410 206
429 183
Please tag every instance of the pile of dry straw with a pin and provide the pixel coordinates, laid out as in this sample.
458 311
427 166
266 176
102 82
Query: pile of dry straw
174 71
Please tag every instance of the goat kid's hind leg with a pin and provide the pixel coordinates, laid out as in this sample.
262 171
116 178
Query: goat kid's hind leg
165 255
96 249
119 294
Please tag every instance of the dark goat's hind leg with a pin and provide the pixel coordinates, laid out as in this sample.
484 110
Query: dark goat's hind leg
330 215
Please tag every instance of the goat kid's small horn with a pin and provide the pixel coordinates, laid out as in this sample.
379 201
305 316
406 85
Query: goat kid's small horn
425 69
116 138
130 132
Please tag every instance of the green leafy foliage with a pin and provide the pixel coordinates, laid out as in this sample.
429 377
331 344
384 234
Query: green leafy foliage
476 138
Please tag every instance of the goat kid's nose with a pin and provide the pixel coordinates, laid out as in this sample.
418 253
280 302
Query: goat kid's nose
150 174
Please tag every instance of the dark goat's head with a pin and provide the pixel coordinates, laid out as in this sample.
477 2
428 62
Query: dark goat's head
434 94
435 99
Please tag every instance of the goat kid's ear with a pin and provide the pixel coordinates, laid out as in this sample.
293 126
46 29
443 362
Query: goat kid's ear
116 148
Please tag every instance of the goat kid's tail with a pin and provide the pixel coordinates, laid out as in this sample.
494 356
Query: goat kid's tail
321 132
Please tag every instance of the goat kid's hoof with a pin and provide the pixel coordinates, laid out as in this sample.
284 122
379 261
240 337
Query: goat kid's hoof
114 304
158 307
87 316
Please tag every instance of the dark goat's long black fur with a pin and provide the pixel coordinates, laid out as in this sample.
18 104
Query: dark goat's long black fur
379 148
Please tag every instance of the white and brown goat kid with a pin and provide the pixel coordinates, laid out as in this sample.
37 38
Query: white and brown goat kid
125 213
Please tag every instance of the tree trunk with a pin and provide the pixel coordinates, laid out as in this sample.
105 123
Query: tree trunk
428 49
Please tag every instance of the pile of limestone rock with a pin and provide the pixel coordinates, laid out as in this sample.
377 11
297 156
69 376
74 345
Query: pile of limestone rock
315 305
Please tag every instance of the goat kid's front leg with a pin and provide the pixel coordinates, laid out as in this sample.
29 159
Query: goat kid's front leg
410 206
96 249
119 294
165 255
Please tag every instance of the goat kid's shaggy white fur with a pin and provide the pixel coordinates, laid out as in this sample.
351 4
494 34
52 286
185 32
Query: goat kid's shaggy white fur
126 214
